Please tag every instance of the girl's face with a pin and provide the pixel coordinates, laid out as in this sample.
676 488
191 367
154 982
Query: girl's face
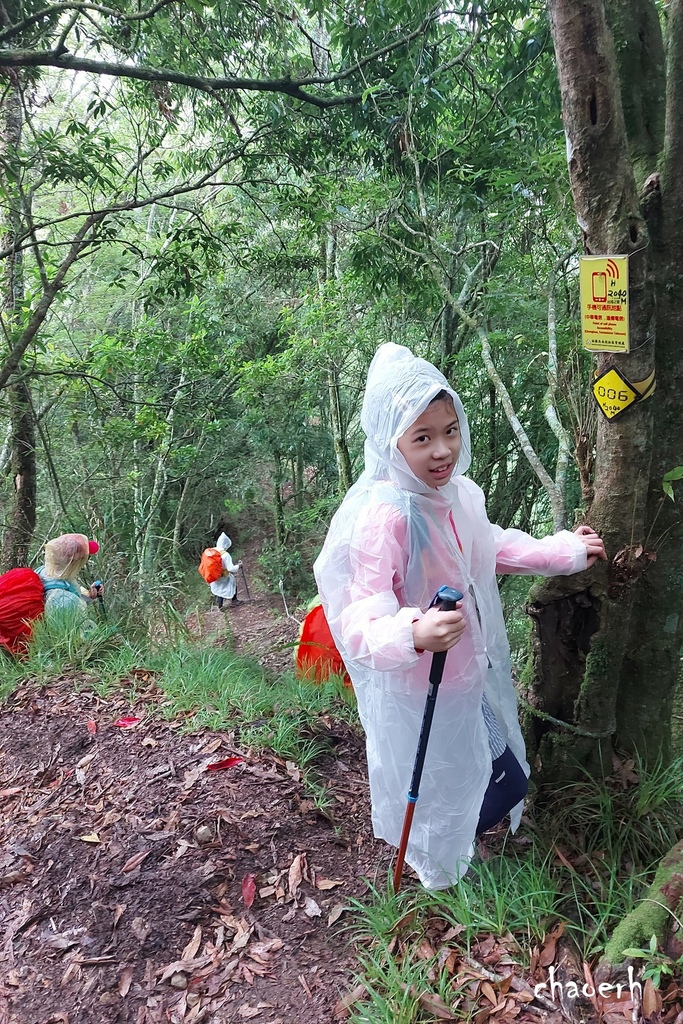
431 445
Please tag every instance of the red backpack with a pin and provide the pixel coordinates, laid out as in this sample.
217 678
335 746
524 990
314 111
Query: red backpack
211 565
22 599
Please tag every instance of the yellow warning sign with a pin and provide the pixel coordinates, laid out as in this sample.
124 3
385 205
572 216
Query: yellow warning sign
614 393
604 303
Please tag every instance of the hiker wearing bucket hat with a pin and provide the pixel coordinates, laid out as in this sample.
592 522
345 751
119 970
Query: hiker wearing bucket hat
65 557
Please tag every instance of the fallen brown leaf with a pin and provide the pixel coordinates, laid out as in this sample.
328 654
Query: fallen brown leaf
487 990
247 1011
125 981
296 873
192 948
435 1004
336 912
342 1007
311 908
547 954
652 1000
248 890
134 862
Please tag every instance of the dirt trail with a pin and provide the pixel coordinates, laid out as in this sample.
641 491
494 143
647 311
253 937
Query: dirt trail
138 884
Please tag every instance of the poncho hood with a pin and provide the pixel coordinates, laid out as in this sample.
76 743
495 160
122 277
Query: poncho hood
399 388
223 543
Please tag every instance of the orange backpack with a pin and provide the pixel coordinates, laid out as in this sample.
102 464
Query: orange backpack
211 565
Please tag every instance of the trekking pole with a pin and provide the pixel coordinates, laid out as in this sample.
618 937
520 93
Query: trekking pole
281 588
244 577
446 600
103 610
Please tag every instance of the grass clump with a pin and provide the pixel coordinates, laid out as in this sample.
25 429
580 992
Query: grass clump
511 894
628 818
64 644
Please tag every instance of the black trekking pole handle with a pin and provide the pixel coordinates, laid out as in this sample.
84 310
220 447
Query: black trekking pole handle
97 584
446 600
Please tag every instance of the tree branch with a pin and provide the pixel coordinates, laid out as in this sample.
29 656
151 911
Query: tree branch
14 359
57 9
295 88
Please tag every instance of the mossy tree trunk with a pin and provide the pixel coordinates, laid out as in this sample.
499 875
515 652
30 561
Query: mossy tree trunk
658 913
651 668
20 519
606 643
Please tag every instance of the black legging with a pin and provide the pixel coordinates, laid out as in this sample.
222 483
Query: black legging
507 786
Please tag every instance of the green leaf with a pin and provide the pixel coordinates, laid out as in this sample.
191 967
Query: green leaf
370 91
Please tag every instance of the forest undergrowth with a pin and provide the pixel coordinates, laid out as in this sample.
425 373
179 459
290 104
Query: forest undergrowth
536 906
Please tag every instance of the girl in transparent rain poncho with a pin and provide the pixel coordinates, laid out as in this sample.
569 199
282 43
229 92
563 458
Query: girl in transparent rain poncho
411 524
225 587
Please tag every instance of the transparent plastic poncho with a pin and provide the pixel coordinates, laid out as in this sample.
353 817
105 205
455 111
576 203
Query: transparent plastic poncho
226 585
393 542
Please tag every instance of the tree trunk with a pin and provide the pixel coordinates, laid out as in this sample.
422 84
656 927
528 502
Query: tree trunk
176 549
641 67
21 518
584 624
279 508
657 913
21 521
338 430
330 273
649 676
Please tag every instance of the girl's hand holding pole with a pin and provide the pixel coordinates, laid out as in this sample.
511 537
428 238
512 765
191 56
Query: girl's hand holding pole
438 630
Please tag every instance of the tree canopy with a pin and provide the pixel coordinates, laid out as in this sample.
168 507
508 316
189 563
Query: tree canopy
213 213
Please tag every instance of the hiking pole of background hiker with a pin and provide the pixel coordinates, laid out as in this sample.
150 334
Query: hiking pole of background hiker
446 600
244 577
281 588
103 610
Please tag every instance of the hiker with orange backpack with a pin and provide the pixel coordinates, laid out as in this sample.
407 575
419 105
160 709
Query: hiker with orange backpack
220 572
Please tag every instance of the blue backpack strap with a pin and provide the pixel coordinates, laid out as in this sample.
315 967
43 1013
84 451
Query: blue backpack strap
60 585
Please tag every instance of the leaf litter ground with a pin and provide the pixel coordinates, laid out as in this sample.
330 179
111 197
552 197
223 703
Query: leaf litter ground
137 884
140 884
